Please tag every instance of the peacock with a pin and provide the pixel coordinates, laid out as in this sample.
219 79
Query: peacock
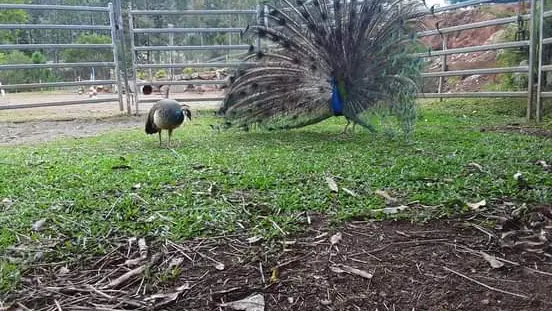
166 114
346 58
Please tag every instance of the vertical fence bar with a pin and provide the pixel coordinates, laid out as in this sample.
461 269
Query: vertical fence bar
538 107
258 22
121 34
132 46
443 65
171 53
114 40
530 74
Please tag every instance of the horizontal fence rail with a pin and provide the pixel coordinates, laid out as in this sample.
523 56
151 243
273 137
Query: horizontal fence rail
9 6
112 27
192 12
196 65
192 47
187 30
54 26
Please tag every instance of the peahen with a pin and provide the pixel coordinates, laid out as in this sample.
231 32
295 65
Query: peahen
340 58
166 114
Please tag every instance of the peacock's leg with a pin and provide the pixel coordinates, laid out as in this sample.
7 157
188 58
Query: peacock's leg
369 127
346 126
160 138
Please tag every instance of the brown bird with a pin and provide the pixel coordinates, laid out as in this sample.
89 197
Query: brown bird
166 114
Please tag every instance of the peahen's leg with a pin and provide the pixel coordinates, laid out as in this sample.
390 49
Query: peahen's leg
170 134
160 138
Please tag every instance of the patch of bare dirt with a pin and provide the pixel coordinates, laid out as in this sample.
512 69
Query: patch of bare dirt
520 129
362 265
36 125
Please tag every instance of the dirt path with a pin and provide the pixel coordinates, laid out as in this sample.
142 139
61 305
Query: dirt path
24 126
362 265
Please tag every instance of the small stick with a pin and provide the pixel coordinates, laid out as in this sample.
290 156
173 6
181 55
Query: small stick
123 278
57 305
485 285
261 270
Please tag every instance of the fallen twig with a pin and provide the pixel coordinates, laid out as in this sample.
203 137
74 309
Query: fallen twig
485 285
123 278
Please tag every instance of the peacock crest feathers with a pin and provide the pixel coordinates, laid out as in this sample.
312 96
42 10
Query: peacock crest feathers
335 58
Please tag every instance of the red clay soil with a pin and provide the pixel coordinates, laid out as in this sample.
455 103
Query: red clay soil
391 265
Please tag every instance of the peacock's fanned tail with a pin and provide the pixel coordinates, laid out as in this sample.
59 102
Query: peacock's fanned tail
338 58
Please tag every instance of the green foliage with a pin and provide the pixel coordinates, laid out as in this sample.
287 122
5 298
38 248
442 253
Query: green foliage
188 71
23 76
16 76
12 17
160 74
89 55
510 58
142 75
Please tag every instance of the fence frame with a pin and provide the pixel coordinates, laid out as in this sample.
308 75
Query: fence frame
444 52
109 9
172 30
534 43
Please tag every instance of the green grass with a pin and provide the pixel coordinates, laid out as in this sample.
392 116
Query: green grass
215 183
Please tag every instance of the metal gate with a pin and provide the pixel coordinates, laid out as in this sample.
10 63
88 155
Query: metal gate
141 86
114 63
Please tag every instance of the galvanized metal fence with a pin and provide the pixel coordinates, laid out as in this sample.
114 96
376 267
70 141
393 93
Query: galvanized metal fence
112 27
531 44
171 47
534 46
542 68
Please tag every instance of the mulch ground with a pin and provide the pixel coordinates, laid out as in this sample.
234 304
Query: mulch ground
361 265
516 128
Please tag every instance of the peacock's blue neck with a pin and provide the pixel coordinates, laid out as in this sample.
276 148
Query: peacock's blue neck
337 101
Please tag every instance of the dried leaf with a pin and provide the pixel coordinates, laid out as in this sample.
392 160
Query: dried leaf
492 261
477 205
350 270
332 184
169 297
476 166
175 262
394 210
275 276
386 196
251 303
63 271
39 225
336 238
350 192
219 266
